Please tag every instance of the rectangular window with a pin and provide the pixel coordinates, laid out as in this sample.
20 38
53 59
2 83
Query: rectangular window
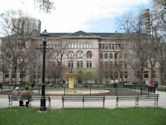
126 75
100 46
89 64
70 64
106 46
109 46
103 46
115 55
22 74
146 74
121 75
79 64
7 74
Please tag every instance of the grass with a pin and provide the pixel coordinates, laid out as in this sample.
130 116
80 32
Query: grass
126 116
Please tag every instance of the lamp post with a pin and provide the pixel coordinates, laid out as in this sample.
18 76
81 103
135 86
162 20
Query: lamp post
43 99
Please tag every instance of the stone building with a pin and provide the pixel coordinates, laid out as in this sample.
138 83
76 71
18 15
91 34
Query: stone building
105 55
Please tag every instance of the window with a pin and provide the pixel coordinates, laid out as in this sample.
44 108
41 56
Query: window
22 74
100 46
89 54
89 64
70 54
7 74
79 54
109 46
120 55
103 46
121 75
14 74
146 74
72 45
110 55
126 75
70 64
116 46
116 55
79 64
106 46
112 46
81 45
106 56
78 45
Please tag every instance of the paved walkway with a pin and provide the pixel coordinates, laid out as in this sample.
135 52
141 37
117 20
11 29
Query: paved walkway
110 102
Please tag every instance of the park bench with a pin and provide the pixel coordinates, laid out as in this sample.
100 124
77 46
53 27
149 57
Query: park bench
83 99
127 98
12 98
149 97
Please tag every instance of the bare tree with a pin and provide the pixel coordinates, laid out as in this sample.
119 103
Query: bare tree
55 66
147 46
137 38
13 46
160 9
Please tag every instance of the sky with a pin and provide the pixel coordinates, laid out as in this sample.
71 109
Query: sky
76 15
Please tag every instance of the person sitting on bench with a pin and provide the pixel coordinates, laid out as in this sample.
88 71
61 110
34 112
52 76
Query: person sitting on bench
25 95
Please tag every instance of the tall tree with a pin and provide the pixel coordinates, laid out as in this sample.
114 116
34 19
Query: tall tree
138 39
56 52
13 46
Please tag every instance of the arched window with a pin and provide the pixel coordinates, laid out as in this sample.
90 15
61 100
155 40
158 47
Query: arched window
70 54
79 54
72 45
106 56
101 55
89 54
110 55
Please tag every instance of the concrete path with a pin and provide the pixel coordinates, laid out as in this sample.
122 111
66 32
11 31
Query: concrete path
110 102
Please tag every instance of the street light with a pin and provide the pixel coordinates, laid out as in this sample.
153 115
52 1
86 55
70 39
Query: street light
43 99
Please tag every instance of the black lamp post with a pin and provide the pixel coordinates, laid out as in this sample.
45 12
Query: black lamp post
43 99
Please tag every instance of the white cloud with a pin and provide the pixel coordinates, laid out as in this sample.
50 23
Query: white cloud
73 15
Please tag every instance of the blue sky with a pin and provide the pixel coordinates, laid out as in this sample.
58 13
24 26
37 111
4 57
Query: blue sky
111 24
75 15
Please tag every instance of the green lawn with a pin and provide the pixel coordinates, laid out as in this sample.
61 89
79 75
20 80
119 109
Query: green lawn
126 116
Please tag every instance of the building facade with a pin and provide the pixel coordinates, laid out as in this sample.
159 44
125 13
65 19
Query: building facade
105 55
25 25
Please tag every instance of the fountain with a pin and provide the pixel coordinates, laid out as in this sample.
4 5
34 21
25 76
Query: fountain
71 81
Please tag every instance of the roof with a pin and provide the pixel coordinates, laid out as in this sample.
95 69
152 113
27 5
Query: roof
82 34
